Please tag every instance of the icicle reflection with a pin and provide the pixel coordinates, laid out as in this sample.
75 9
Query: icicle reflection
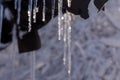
33 64
1 18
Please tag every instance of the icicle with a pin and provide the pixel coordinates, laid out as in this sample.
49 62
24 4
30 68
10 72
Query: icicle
60 27
44 10
53 8
16 4
30 15
69 43
18 11
68 39
35 10
33 65
69 3
1 18
35 3
65 39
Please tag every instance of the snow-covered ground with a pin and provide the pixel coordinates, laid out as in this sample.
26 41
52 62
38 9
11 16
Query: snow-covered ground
95 50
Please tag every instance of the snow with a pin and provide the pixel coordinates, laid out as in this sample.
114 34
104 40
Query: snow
95 50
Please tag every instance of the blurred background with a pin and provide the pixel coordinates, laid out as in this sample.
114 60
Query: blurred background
95 50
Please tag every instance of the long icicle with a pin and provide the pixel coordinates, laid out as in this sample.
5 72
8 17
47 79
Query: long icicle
69 38
69 42
33 64
30 15
65 39
44 10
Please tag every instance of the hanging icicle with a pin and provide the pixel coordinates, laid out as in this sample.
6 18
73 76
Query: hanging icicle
60 14
15 3
69 21
53 8
18 11
44 10
30 15
69 42
65 39
69 3
35 10
65 33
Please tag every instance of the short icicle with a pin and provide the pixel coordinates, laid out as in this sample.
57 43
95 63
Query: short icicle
60 14
16 4
69 3
35 10
18 11
30 15
44 10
